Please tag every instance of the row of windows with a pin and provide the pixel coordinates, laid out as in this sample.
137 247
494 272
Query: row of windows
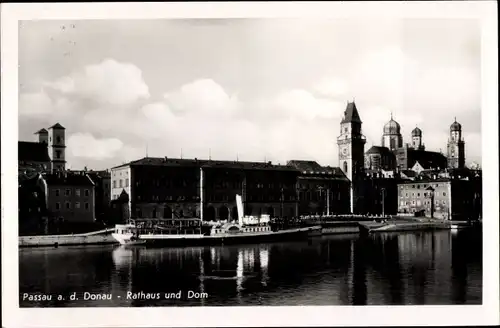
211 198
417 186
426 202
120 183
425 194
316 196
67 192
68 205
184 183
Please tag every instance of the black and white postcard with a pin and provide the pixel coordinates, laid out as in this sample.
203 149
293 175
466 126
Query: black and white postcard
250 164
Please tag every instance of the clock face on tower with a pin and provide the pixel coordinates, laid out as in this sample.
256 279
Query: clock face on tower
344 151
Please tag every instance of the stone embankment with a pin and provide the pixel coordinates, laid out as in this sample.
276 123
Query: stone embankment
90 238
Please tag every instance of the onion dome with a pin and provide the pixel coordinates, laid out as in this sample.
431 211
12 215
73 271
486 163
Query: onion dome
392 127
455 126
416 132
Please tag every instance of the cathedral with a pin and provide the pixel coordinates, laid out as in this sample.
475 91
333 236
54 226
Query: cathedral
394 155
368 171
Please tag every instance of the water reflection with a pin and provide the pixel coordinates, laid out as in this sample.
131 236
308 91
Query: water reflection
386 269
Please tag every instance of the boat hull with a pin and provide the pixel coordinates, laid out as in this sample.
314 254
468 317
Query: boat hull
226 239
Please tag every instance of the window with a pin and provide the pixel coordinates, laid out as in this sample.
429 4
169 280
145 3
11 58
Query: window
412 194
58 206
68 205
67 192
413 202
57 192
58 139
87 206
77 192
121 183
87 193
444 202
406 195
114 184
77 205
418 186
58 154
444 194
126 182
418 195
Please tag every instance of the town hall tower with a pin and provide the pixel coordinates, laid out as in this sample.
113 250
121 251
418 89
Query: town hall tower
351 144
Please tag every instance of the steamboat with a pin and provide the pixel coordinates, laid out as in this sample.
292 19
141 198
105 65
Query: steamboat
195 231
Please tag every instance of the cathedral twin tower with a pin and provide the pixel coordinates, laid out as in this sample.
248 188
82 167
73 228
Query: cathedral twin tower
351 144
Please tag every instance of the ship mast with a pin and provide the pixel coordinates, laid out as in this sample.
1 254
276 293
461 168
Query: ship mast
201 193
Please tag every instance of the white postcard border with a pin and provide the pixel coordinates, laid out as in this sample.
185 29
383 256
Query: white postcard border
487 313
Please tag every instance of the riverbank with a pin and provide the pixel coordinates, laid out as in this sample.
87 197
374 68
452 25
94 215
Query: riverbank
91 238
404 224
328 227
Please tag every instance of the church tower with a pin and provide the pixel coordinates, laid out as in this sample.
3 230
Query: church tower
392 137
43 136
456 147
57 147
416 139
351 144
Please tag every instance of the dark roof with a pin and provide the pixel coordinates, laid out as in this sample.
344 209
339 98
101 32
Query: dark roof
455 126
92 173
378 150
425 180
57 126
203 163
351 114
305 165
42 131
429 159
416 132
312 167
392 127
68 179
409 173
32 152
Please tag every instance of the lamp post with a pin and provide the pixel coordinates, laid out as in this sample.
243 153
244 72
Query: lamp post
282 199
431 197
382 191
327 201
320 188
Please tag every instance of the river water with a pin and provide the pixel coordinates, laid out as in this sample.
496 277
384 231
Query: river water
385 269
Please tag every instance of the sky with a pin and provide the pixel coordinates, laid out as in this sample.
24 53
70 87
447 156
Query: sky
246 89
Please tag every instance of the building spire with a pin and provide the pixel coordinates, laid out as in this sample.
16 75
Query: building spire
391 115
210 153
455 118
146 150
181 153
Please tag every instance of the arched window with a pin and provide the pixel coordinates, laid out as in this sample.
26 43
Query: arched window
393 143
345 167
167 212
